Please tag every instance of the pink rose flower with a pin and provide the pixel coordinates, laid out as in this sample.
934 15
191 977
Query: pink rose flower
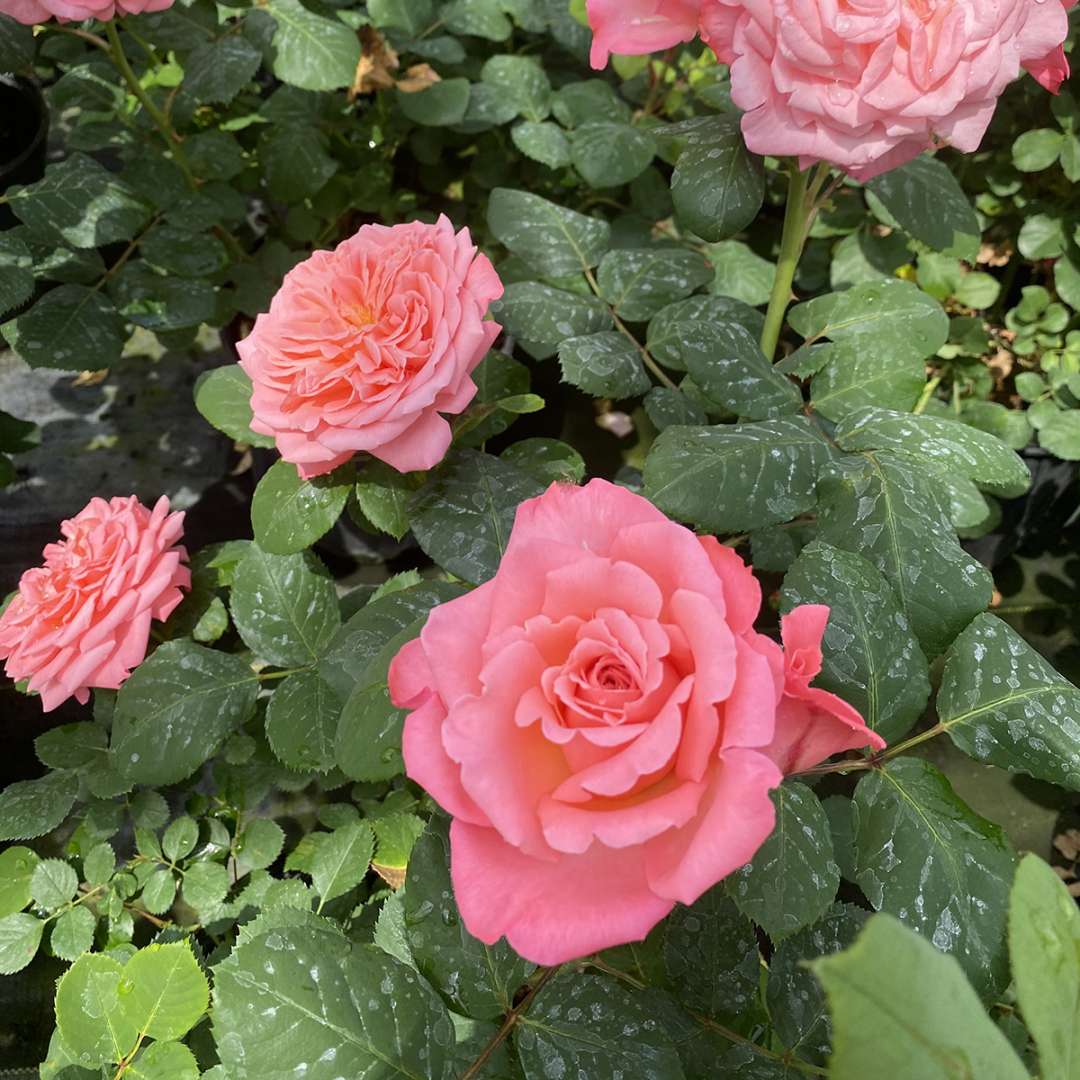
39 11
364 346
604 725
870 86
639 26
83 619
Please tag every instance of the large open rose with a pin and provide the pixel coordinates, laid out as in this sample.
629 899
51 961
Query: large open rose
364 347
863 84
82 620
604 724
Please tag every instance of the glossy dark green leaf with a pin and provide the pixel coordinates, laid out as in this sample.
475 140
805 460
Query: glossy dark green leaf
870 656
793 877
734 477
301 722
289 514
475 979
463 514
926 857
177 709
604 365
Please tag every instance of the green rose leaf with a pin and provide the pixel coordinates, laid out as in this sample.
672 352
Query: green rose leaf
32 808
17 865
165 1061
475 979
793 876
604 365
462 515
710 955
20 936
168 991
216 71
289 514
552 239
718 186
301 722
1044 941
870 656
795 998
177 709
608 154
367 742
223 397
734 477
942 443
67 328
284 607
89 1016
81 203
73 933
1003 704
586 1025
54 883
887 510
342 860
728 366
928 202
926 857
542 317
336 1008
923 1020
640 282
309 51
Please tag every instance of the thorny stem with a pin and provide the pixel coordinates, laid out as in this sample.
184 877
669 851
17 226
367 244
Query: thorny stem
507 1026
623 329
796 216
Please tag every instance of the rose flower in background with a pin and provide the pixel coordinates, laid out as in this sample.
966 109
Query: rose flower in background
866 86
83 619
364 346
40 11
604 724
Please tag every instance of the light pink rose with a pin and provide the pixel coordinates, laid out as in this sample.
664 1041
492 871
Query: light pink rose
364 346
39 11
83 619
639 26
869 85
604 724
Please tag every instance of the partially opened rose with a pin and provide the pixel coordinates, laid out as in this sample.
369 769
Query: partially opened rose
39 11
365 346
640 26
604 724
82 620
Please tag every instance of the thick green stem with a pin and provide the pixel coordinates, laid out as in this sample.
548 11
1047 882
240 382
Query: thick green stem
161 121
791 244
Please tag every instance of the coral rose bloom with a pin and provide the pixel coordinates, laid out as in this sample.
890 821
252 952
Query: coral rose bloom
870 85
39 11
639 26
364 346
83 619
604 725
863 84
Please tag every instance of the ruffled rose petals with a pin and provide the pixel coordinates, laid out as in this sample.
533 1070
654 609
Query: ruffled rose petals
82 620
865 86
364 347
604 724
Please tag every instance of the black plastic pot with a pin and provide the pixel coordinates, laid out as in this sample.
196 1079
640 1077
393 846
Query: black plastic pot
1033 524
24 127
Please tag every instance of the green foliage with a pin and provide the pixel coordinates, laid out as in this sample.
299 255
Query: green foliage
236 824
